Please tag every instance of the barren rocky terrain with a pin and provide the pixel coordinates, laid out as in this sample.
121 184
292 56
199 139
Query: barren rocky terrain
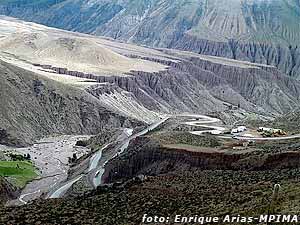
34 106
118 130
142 82
253 30
7 191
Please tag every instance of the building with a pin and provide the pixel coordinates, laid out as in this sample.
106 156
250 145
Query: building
264 129
242 129
239 129
271 131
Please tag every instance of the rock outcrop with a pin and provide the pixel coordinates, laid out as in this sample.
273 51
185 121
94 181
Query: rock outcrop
33 106
142 82
284 57
147 157
197 83
7 191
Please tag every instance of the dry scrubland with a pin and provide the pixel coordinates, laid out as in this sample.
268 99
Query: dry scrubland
187 193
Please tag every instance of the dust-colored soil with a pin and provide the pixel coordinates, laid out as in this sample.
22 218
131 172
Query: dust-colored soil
190 148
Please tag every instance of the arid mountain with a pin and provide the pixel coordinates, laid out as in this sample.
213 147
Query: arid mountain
136 82
33 106
156 150
261 31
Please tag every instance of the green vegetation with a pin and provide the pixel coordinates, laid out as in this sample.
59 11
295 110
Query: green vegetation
18 157
82 143
19 172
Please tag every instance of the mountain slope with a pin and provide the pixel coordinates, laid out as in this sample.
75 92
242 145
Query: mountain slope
34 106
144 83
262 31
7 191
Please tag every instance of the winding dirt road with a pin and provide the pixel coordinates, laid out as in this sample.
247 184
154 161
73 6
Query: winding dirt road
267 138
98 161
203 121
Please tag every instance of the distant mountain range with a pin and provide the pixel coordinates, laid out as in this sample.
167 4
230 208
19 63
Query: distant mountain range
261 31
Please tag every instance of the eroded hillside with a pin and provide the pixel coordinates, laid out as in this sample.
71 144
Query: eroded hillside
33 106
259 31
142 82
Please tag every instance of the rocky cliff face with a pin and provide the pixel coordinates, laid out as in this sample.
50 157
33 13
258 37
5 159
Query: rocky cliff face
7 191
33 106
253 30
284 57
147 157
196 83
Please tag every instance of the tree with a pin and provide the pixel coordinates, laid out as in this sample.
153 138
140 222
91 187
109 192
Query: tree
70 160
74 157
28 156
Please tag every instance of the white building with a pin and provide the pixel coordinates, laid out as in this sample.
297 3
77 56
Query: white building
242 129
239 129
265 129
234 131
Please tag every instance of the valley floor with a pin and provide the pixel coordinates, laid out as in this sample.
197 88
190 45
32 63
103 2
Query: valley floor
183 174
50 156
